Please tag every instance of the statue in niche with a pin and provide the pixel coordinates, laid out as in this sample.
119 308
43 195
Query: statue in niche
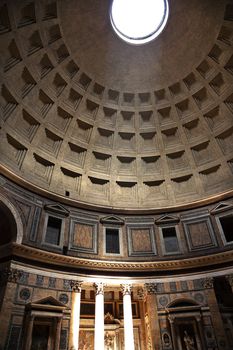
166 339
189 341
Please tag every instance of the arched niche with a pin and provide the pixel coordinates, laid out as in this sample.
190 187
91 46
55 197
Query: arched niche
11 227
182 302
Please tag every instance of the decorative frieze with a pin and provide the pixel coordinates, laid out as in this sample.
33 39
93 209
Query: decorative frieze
208 283
151 288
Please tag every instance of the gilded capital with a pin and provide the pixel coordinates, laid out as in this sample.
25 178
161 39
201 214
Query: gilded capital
208 283
141 293
99 288
76 286
126 288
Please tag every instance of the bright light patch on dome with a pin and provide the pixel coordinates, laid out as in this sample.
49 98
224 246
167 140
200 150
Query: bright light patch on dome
139 21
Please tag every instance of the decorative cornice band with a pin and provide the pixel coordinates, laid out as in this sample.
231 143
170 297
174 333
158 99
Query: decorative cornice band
49 258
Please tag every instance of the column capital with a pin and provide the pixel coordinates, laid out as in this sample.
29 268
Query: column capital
151 288
10 274
126 288
141 293
208 283
99 288
230 279
76 286
171 319
198 318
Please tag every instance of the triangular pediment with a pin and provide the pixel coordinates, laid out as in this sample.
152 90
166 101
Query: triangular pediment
222 206
57 209
49 301
167 219
112 219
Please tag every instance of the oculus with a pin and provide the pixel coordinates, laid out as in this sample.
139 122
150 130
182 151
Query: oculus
139 21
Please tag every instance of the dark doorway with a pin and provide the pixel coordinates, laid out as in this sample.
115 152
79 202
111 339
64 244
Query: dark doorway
40 337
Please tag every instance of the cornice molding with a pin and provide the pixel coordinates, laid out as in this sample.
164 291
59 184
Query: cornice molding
41 256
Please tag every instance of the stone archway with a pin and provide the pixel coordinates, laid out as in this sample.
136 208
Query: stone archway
11 222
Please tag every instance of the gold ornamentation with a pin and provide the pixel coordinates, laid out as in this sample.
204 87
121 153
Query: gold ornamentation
76 286
99 288
151 288
141 293
126 288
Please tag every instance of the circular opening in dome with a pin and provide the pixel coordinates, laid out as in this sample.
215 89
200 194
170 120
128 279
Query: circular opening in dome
139 21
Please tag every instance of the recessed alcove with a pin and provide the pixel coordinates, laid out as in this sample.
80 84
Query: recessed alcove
74 98
44 65
11 56
146 119
104 138
60 120
82 131
4 19
27 125
75 154
60 51
71 69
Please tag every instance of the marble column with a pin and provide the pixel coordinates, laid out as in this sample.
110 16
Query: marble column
28 341
75 314
128 319
58 334
99 316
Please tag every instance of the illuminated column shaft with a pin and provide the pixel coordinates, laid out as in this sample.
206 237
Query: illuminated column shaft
99 316
128 319
75 315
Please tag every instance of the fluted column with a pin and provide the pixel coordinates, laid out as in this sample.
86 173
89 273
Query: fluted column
75 314
128 319
99 316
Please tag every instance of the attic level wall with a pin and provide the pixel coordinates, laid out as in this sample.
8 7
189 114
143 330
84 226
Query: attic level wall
67 230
